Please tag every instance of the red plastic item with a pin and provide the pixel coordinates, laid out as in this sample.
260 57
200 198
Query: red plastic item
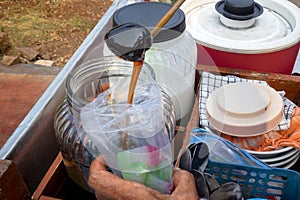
277 62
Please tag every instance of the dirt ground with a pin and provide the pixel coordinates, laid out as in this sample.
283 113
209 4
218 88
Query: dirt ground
54 28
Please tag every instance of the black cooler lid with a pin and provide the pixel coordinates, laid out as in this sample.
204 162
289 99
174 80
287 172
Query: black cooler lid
148 14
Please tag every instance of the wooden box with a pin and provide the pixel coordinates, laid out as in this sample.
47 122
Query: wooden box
57 185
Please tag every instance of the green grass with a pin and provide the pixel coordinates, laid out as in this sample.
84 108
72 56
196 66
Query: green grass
81 23
27 26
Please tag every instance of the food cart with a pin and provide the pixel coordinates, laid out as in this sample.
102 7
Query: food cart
32 152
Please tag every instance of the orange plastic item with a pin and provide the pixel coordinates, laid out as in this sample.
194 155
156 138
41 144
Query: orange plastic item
272 140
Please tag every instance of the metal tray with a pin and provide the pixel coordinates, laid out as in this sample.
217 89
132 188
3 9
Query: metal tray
32 146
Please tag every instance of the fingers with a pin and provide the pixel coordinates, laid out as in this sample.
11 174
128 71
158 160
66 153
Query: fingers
110 186
182 176
98 164
97 170
184 185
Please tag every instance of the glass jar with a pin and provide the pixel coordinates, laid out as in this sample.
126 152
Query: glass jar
173 54
83 84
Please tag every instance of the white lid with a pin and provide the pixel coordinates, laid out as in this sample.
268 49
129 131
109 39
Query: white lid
277 28
244 109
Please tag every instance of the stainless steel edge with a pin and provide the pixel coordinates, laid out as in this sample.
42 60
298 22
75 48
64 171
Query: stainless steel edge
33 146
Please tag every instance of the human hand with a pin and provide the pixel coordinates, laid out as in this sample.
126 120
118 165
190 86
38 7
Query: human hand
112 187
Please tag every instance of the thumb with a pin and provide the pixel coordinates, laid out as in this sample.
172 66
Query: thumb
184 185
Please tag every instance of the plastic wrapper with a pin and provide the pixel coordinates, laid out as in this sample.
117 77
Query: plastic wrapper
224 151
132 138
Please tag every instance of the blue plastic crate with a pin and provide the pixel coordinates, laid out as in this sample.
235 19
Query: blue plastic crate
269 183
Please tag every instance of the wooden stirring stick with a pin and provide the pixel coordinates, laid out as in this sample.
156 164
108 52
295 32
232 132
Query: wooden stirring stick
138 65
166 17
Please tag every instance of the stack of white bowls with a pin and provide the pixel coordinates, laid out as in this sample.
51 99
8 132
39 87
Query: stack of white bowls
282 158
247 110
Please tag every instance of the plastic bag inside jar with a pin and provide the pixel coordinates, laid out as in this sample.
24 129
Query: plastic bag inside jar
272 140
